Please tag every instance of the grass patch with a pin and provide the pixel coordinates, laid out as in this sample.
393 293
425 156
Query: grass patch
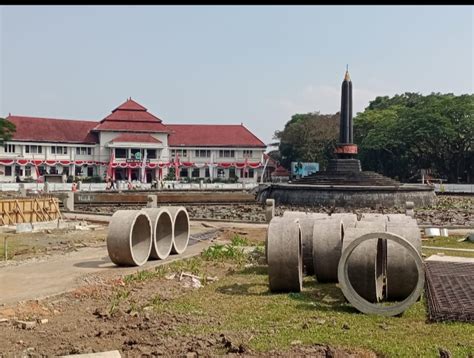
219 252
319 314
238 240
452 242
118 297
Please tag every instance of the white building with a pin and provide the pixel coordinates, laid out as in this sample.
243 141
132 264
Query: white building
126 141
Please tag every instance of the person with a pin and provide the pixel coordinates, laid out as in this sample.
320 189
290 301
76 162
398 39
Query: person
107 183
74 186
112 184
129 185
64 177
18 179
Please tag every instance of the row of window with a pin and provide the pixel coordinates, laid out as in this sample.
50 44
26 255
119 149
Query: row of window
195 173
206 153
38 149
134 153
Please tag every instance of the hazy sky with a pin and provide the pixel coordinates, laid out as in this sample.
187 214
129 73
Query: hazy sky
227 64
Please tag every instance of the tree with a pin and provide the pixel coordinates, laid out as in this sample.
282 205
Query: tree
309 137
7 129
398 136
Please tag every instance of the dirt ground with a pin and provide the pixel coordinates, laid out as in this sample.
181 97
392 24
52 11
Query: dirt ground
129 314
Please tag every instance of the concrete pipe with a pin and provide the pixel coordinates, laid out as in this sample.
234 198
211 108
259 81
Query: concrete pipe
349 220
284 255
375 225
366 273
129 239
402 274
327 245
302 214
360 302
180 229
394 218
373 217
162 225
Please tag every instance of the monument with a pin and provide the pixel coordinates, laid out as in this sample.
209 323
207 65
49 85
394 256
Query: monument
344 183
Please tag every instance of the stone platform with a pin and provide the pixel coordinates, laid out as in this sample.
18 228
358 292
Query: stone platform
348 196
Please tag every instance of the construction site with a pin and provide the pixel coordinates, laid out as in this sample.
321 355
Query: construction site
211 279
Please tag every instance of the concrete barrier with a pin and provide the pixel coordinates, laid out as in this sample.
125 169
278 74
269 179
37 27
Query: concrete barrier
129 240
284 255
162 232
180 229
269 209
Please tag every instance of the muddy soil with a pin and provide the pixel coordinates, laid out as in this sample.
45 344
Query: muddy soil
131 316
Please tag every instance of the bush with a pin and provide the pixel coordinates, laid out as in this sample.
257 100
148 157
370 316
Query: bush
94 179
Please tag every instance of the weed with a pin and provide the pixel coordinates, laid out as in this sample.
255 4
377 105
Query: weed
220 252
238 240
119 296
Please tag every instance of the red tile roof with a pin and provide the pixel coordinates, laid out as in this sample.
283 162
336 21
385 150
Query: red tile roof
37 129
131 116
212 135
136 138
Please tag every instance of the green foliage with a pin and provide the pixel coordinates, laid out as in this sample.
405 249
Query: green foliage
238 240
94 179
398 136
7 129
220 252
309 137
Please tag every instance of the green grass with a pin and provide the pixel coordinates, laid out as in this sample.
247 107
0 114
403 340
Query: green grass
265 321
238 240
218 252
452 242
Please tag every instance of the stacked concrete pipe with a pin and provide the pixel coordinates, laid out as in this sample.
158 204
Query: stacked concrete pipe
162 224
284 255
129 240
307 221
181 229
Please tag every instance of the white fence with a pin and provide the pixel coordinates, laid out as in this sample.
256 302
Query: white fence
454 188
168 185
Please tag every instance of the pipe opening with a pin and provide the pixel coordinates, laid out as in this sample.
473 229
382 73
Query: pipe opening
140 239
163 235
181 231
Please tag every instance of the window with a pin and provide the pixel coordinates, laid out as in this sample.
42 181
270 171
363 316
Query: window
151 153
8 171
202 153
220 172
83 151
226 153
28 171
9 148
181 152
58 150
42 169
207 174
251 173
248 153
90 171
195 173
33 149
120 153
18 170
183 172
231 172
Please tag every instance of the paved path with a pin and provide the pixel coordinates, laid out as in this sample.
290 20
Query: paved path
62 273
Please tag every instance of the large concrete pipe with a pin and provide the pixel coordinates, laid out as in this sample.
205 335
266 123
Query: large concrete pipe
129 239
303 214
180 229
349 220
402 274
365 272
357 300
306 224
284 255
327 245
162 225
373 217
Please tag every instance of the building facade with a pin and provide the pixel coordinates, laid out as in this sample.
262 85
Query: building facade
130 144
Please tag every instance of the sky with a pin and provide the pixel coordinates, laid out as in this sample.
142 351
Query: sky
256 65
